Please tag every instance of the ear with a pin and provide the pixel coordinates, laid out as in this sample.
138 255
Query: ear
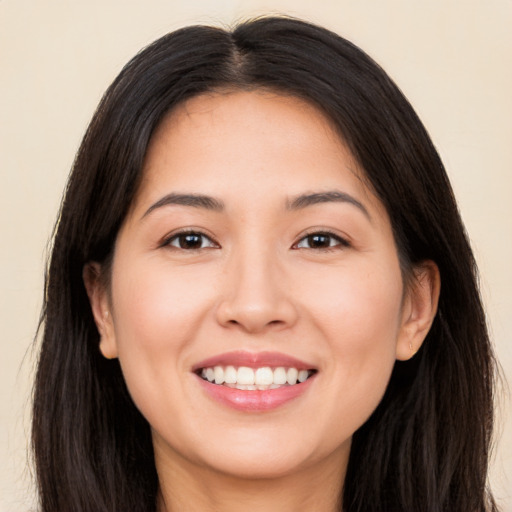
419 309
100 305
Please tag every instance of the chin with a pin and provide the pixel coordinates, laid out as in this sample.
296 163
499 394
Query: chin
260 468
273 458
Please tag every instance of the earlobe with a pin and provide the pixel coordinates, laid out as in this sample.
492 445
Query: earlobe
98 298
419 309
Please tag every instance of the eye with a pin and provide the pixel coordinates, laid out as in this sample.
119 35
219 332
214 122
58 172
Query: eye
321 240
189 240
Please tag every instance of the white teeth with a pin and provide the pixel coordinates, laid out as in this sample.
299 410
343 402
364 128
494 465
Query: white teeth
245 375
230 375
279 376
303 375
218 372
291 376
251 379
264 376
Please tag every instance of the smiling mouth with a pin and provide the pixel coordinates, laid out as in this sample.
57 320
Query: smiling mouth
252 379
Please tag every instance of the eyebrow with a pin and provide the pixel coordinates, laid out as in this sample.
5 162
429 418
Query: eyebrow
193 200
297 203
331 196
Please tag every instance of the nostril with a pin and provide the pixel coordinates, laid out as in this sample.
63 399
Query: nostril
255 313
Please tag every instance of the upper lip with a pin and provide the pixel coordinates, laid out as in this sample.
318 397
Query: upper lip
253 360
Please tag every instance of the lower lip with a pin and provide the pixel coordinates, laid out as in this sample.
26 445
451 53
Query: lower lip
255 401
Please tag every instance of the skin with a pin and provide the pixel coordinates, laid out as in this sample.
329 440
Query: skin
257 284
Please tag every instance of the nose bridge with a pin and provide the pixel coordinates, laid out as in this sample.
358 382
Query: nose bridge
255 270
255 296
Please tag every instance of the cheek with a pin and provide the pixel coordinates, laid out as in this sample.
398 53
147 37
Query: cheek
361 303
159 308
359 314
157 316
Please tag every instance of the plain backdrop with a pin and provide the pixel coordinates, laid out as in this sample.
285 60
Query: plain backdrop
453 60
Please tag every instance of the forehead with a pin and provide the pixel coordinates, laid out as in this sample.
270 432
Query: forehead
221 142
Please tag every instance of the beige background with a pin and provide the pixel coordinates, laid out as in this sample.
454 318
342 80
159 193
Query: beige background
453 59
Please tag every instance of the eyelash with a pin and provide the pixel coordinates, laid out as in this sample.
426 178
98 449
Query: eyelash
180 237
168 241
341 242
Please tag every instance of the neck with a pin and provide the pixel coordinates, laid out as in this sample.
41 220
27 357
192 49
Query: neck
186 486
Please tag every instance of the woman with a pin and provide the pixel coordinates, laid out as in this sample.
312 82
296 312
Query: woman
260 292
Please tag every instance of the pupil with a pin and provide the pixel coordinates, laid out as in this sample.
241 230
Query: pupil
190 241
319 241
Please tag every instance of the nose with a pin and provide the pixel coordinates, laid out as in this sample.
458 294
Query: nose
256 297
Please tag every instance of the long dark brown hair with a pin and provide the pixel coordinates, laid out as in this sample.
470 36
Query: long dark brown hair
426 446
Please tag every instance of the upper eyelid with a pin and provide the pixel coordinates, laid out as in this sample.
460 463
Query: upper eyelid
313 231
319 231
186 231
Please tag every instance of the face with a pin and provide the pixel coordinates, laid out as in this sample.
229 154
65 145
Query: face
256 302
